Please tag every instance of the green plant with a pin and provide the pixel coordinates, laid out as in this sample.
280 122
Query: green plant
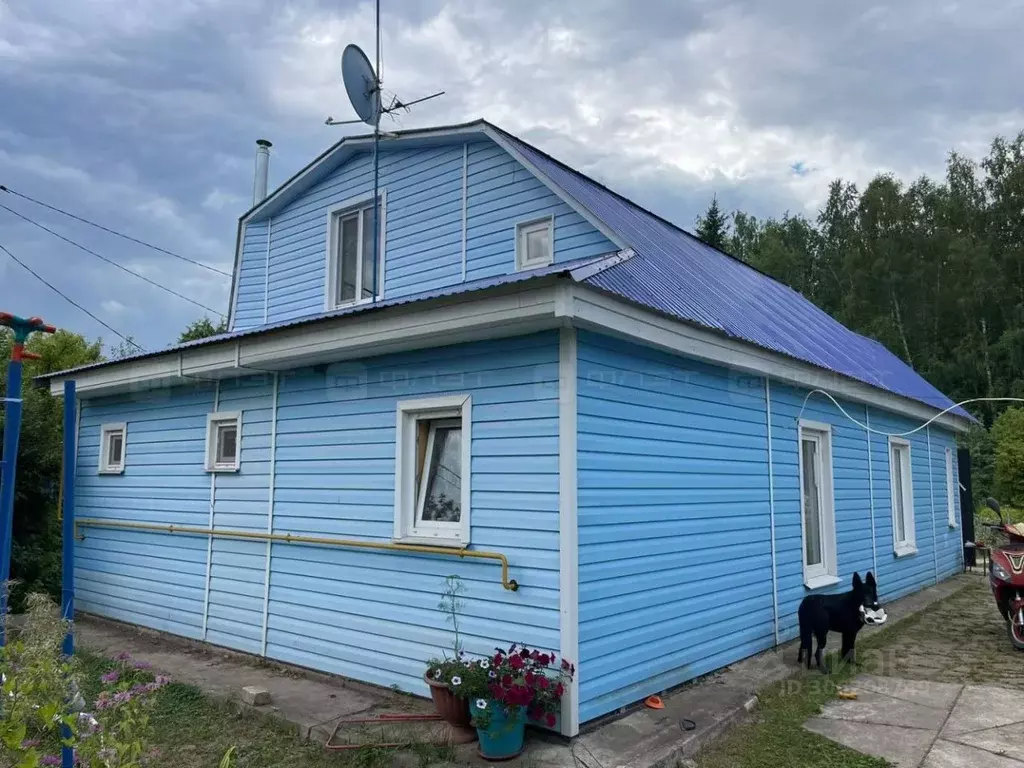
43 709
450 669
1008 433
519 677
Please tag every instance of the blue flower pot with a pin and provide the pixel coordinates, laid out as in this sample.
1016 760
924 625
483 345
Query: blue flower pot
502 739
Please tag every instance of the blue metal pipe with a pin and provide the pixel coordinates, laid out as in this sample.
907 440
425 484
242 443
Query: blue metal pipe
68 535
12 428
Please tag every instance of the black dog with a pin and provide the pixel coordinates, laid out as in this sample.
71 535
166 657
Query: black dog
845 613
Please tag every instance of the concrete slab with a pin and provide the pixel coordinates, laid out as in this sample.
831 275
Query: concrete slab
640 738
937 695
946 754
904 747
1007 740
984 706
877 708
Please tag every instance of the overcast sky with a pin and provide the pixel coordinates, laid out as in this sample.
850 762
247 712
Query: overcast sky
142 114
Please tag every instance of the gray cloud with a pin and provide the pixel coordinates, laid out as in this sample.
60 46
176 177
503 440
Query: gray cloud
142 114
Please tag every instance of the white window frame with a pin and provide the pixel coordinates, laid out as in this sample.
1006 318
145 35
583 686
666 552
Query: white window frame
106 432
907 546
334 214
952 486
523 228
408 502
213 423
825 573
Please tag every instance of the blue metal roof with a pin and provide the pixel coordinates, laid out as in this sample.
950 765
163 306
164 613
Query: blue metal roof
561 268
678 274
675 273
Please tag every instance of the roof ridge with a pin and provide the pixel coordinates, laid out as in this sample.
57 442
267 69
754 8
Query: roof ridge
635 204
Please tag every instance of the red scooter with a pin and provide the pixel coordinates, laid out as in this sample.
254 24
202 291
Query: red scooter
1006 575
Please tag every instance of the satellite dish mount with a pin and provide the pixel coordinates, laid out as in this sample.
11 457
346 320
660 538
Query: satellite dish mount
362 84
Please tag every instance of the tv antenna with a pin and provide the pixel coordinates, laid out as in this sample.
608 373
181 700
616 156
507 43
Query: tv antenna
363 86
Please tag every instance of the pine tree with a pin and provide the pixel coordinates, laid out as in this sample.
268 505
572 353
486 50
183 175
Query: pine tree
713 226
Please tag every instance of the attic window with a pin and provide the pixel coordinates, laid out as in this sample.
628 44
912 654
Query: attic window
350 270
534 243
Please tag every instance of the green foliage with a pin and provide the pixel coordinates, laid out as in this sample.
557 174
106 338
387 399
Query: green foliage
202 328
41 694
1008 434
932 269
35 553
713 226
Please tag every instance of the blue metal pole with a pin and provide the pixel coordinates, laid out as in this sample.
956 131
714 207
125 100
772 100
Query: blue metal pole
68 534
12 427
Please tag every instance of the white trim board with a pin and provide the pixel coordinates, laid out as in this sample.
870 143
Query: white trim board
508 310
568 531
598 311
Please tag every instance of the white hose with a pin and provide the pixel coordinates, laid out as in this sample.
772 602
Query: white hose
939 415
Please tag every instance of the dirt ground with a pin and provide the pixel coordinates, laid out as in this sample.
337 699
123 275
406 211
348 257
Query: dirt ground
960 640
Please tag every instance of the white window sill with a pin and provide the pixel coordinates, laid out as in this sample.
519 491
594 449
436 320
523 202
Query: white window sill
905 550
354 303
112 471
225 470
820 582
432 541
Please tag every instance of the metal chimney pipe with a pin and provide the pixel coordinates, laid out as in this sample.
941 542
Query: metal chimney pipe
259 186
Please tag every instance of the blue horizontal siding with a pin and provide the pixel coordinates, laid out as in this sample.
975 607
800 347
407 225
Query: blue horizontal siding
423 222
369 615
673 521
250 296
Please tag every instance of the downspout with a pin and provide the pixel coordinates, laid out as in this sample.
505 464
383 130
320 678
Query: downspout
931 498
871 490
771 506
209 540
270 515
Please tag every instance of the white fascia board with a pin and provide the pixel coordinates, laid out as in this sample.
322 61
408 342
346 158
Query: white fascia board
593 309
494 314
571 201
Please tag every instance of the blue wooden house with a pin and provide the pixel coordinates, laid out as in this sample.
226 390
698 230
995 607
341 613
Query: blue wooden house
539 384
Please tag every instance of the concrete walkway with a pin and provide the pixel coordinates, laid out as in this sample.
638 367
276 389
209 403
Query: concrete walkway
640 738
922 724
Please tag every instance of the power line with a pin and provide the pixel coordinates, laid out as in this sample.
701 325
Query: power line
68 299
110 261
114 231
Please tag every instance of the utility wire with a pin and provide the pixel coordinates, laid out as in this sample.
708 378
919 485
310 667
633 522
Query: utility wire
113 231
68 299
110 261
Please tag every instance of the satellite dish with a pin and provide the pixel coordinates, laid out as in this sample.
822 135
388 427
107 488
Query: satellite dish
361 84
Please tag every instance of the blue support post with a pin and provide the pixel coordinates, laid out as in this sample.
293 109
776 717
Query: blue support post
22 329
12 428
68 534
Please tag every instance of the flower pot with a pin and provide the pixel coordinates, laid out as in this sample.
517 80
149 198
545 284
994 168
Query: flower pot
455 711
502 738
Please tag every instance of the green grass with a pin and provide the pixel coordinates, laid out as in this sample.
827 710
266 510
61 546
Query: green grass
193 731
777 737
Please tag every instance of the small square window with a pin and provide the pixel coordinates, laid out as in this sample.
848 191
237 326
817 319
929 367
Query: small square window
222 441
534 243
432 478
112 448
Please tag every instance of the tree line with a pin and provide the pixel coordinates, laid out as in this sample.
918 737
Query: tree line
933 269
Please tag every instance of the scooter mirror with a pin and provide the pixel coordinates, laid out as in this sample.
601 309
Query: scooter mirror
994 506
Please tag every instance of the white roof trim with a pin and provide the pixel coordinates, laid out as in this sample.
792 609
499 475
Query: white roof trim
593 309
486 314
